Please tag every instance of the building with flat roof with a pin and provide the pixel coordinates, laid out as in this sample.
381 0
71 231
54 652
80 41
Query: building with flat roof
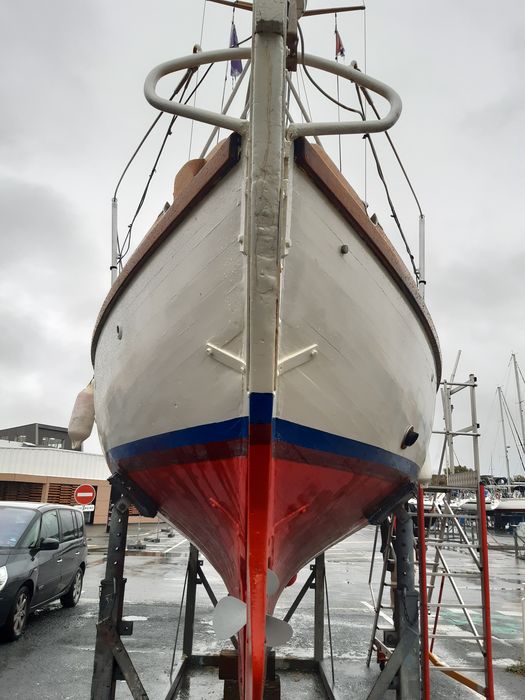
46 475
38 434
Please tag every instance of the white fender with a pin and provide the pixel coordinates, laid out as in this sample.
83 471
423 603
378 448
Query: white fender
82 417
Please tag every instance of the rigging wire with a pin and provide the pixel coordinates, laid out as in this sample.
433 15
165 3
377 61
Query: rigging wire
365 58
305 91
124 249
361 113
513 428
226 73
490 422
197 76
337 83
316 84
186 78
389 139
387 191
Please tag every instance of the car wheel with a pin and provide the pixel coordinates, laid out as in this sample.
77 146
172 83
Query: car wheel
72 596
17 618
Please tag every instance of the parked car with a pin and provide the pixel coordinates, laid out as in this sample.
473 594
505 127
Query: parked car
43 555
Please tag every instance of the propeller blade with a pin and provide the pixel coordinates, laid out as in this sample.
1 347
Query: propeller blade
278 632
272 583
229 616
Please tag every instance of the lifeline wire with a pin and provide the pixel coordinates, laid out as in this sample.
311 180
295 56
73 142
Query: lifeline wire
371 103
360 112
179 87
387 192
197 78
127 240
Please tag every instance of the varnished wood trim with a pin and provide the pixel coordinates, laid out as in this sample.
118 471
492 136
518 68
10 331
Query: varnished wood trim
318 166
221 162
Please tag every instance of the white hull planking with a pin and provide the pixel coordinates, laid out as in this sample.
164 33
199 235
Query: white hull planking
159 377
374 372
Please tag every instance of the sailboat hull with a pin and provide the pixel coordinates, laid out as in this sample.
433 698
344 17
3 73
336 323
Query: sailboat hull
317 494
265 480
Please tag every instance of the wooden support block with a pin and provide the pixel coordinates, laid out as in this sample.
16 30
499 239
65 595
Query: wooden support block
228 665
272 689
231 690
270 666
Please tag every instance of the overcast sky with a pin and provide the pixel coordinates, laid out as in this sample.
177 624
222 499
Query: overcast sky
73 112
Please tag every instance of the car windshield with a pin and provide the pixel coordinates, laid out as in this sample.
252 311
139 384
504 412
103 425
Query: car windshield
13 522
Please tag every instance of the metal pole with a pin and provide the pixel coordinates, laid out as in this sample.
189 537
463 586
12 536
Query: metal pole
301 106
378 603
523 616
485 594
520 402
506 447
422 547
110 605
447 415
226 107
114 239
191 596
422 278
475 426
453 375
319 609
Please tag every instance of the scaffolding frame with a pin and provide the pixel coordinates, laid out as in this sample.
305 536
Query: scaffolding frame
436 524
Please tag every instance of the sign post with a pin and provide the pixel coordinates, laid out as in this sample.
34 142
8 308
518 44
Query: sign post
84 495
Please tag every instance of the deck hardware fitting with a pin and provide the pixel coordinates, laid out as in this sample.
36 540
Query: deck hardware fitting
409 438
226 358
296 359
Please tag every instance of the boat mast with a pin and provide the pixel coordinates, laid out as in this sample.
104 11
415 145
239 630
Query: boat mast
504 436
520 401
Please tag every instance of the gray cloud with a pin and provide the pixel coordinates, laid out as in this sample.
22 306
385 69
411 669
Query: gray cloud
73 110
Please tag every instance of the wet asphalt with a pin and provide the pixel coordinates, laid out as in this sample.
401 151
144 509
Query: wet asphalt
54 659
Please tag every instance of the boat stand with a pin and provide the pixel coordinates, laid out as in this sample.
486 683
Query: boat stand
398 653
228 659
112 662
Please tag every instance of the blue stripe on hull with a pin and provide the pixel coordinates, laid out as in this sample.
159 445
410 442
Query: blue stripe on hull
283 432
313 439
224 431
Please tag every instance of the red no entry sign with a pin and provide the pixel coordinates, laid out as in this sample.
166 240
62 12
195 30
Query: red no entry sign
84 495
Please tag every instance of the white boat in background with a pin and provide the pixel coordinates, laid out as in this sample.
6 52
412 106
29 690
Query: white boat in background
265 366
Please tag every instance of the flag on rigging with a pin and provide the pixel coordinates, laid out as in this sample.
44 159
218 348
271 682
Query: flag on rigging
236 64
339 48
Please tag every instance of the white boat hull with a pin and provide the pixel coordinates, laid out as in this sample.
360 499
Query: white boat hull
372 373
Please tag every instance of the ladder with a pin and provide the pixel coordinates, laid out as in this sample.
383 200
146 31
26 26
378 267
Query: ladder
440 536
441 532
